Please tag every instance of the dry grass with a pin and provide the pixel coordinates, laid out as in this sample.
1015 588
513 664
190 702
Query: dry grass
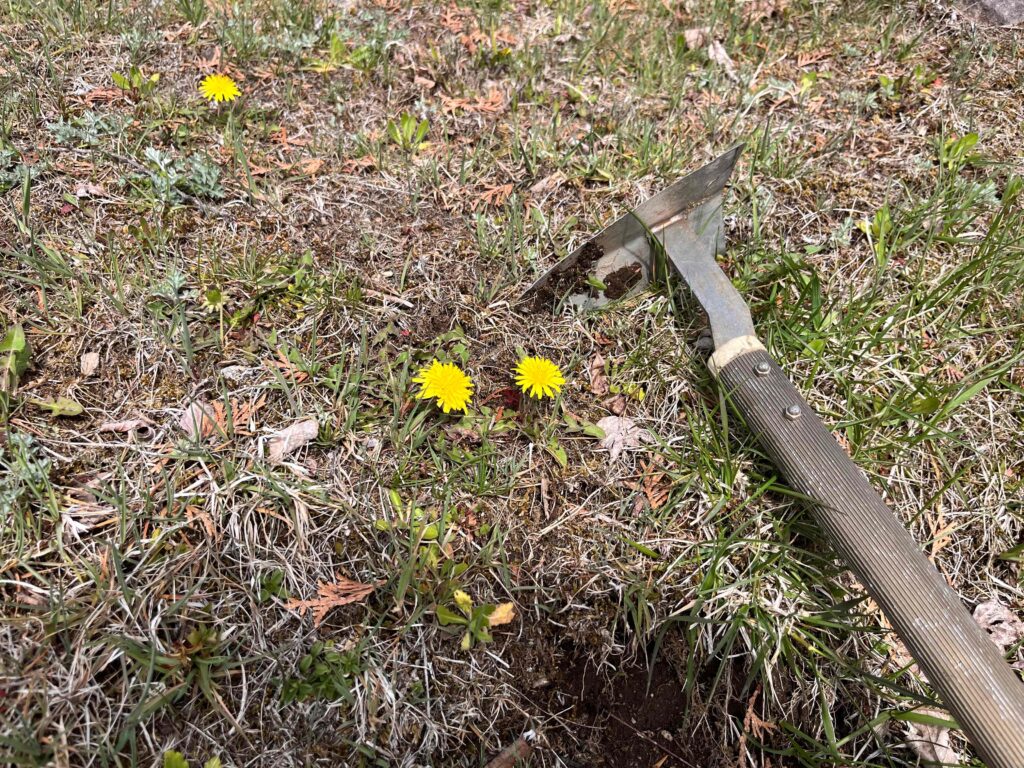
144 575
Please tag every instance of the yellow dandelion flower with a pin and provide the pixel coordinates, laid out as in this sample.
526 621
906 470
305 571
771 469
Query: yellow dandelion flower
219 88
446 382
539 377
463 601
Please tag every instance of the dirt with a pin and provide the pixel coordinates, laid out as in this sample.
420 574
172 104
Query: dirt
572 277
621 715
636 711
618 283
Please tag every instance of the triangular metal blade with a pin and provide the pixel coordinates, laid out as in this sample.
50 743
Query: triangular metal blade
619 261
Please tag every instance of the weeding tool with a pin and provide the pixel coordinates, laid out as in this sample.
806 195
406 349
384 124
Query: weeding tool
684 223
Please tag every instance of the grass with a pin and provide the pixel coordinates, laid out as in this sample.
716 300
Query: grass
392 178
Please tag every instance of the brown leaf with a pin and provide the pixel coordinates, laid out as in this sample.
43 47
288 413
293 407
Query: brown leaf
656 487
198 420
240 414
1000 622
598 379
101 96
309 166
717 54
89 363
931 742
763 9
141 424
621 432
463 435
616 404
493 103
194 513
280 136
696 38
341 592
290 439
493 195
86 189
364 163
548 184
503 614
516 754
288 368
211 63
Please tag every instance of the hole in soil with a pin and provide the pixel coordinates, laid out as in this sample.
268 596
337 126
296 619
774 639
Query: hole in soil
622 715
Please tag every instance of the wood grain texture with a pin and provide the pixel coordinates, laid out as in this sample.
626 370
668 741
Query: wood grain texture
964 667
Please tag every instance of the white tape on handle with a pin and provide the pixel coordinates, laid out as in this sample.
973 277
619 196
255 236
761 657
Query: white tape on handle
732 349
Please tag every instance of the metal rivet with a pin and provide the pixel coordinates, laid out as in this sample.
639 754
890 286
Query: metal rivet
793 412
762 368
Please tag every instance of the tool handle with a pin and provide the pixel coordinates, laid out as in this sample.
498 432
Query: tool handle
962 664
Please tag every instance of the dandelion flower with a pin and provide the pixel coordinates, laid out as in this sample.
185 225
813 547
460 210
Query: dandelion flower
219 88
447 383
539 377
463 601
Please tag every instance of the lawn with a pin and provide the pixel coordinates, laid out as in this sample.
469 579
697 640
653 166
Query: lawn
229 528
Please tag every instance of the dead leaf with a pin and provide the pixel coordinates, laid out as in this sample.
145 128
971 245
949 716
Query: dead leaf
101 96
288 368
547 498
194 513
240 414
621 432
1000 622
290 439
812 57
341 592
931 742
503 614
453 18
89 363
494 194
85 189
463 435
754 725
141 424
198 420
696 38
364 163
548 184
516 754
237 373
717 54
763 9
493 103
656 487
598 379
280 136
616 404
211 63
309 166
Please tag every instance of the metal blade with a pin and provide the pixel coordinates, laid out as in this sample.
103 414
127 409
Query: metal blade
620 257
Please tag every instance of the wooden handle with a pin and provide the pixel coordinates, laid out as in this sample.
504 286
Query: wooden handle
963 665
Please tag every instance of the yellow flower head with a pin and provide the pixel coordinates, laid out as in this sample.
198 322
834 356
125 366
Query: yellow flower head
463 601
539 377
446 382
219 88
